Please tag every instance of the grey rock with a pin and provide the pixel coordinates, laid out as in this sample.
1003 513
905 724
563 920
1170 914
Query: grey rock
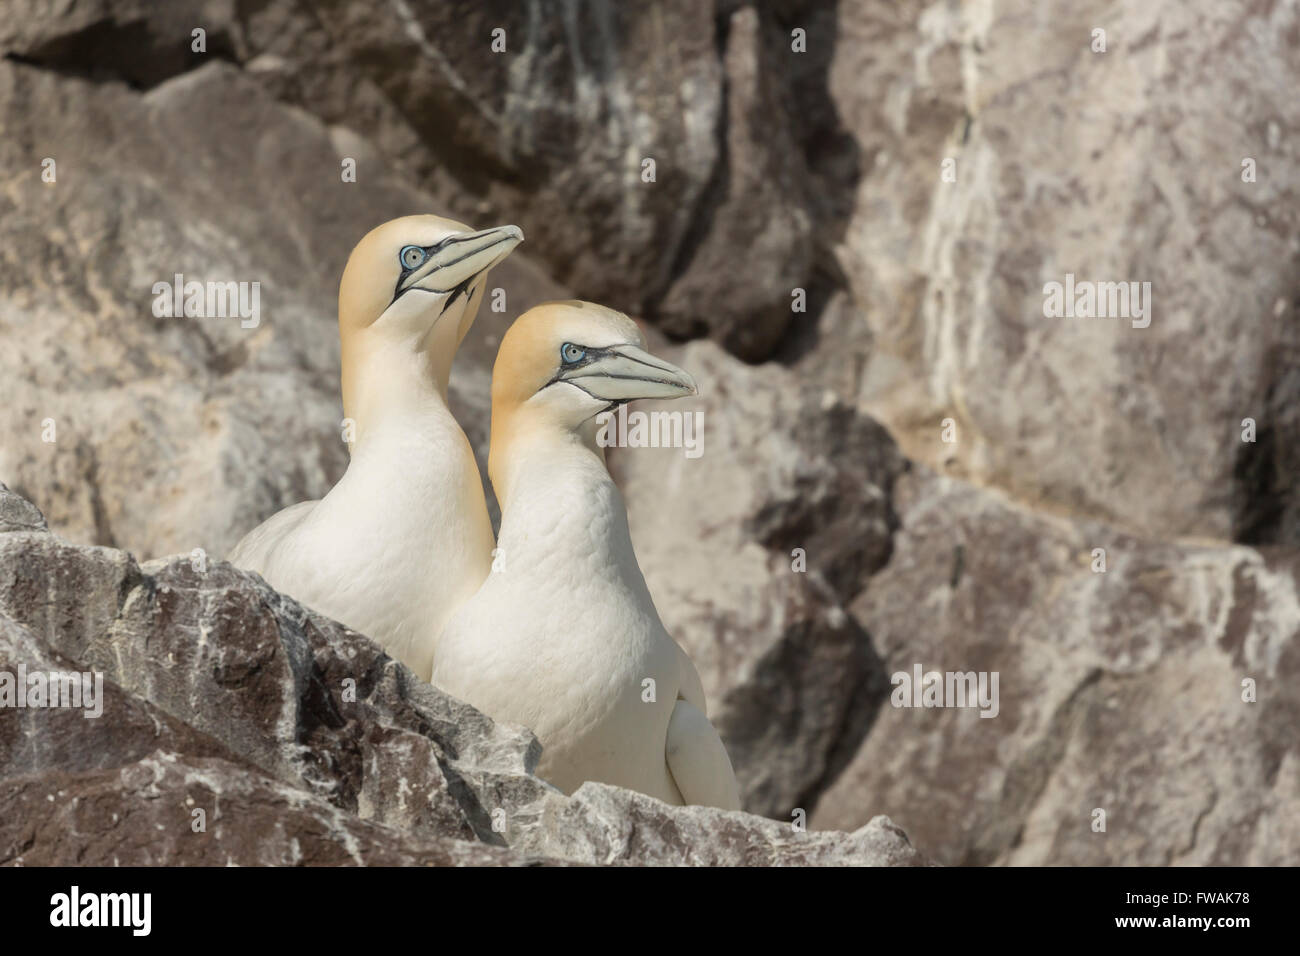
553 131
1117 166
109 728
119 781
300 740
1120 691
219 650
144 814
608 825
19 514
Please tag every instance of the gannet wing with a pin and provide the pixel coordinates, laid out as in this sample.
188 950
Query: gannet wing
255 547
689 686
697 760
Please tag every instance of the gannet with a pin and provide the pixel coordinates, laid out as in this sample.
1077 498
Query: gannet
404 537
563 636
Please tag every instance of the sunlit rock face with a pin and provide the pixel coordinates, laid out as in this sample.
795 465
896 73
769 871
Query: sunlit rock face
841 218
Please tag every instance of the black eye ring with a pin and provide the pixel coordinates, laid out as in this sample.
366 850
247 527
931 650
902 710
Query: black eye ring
412 257
570 353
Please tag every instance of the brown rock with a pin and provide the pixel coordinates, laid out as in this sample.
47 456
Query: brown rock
301 741
173 810
738 285
109 728
1126 166
1120 691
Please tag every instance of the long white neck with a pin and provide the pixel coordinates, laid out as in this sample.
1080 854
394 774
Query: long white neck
391 386
411 505
413 472
558 502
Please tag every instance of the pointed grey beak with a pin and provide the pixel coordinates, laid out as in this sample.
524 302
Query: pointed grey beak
463 257
624 373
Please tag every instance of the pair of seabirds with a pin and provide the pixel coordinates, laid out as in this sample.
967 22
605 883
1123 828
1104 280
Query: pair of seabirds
563 639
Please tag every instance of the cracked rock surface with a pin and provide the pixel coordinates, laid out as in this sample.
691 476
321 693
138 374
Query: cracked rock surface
1122 690
825 539
233 726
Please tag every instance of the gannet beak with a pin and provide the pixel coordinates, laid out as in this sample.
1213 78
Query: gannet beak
461 258
624 373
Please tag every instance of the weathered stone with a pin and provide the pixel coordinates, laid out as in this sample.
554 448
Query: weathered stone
119 781
1120 690
109 728
603 824
141 42
1119 166
172 434
19 514
555 130
558 138
144 814
300 738
304 699
762 212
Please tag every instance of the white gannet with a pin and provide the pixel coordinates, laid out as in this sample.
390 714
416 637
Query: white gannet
404 537
563 636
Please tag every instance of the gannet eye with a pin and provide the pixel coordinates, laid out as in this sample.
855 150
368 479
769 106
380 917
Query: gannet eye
412 256
571 353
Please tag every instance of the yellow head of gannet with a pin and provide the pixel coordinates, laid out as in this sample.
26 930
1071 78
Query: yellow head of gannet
559 366
563 636
404 537
410 291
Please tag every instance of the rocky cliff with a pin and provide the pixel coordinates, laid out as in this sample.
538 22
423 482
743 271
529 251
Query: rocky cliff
948 461
232 726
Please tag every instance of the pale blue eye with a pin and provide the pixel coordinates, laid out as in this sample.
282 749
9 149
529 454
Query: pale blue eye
412 257
571 353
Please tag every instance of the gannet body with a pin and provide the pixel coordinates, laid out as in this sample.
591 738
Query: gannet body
404 537
563 636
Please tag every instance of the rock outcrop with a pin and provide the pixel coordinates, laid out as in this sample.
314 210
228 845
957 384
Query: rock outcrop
222 723
914 470
1158 683
1169 159
634 147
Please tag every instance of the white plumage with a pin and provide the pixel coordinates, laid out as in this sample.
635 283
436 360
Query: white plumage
563 636
404 537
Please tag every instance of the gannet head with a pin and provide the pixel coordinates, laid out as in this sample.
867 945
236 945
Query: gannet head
568 361
563 363
413 286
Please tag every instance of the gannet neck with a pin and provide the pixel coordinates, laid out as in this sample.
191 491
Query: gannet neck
558 501
391 382
526 445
